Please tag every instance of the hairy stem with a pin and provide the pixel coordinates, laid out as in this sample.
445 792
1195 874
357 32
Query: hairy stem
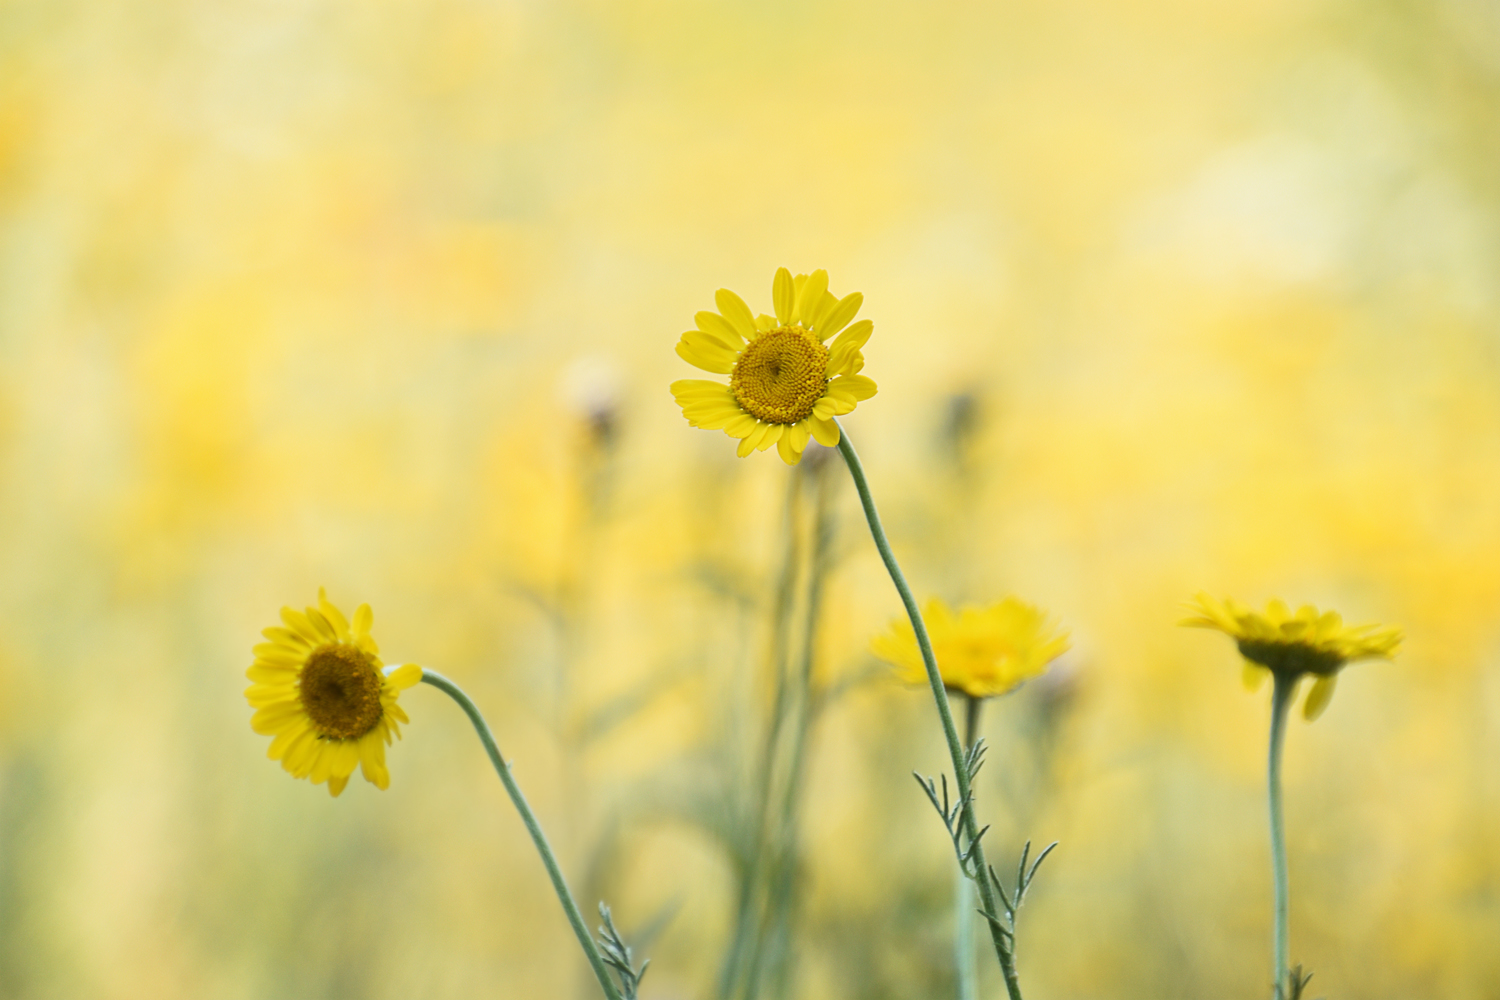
575 918
963 893
940 695
1281 701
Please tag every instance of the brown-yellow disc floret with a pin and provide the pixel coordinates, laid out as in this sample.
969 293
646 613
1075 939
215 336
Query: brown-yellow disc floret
781 375
340 691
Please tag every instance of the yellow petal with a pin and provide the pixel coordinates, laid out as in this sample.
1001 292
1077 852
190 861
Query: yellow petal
336 786
297 758
271 719
1330 625
835 404
276 653
692 388
714 359
364 620
736 312
1318 697
323 759
345 757
855 386
717 339
799 434
372 763
783 295
322 624
298 623
825 432
772 435
283 740
752 440
286 637
1252 675
840 315
848 342
718 327
740 426
334 615
789 455
810 298
712 418
404 676
261 695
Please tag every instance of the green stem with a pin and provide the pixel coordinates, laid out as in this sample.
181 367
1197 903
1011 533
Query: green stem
963 901
940 695
532 826
1281 700
735 979
783 885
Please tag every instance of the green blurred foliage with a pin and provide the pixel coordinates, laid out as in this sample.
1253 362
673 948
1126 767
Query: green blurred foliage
383 297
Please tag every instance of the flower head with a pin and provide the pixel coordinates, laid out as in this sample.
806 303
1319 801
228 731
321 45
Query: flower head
982 652
319 690
1290 645
786 382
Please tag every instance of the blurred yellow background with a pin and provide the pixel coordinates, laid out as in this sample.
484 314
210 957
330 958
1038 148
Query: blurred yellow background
383 297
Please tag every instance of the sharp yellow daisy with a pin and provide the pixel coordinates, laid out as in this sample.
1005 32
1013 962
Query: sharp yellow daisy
982 652
1290 645
319 690
786 383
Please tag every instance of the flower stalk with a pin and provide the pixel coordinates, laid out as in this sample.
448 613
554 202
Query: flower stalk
1281 701
549 860
956 750
963 895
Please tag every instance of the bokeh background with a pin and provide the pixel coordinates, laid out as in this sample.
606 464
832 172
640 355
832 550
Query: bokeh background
383 296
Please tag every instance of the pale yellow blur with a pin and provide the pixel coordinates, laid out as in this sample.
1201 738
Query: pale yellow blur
383 297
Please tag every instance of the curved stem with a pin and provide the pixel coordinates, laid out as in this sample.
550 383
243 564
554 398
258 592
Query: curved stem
1281 700
534 828
940 695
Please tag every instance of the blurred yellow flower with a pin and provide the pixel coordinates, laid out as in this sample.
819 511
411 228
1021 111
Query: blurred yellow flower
319 690
785 383
981 652
1293 644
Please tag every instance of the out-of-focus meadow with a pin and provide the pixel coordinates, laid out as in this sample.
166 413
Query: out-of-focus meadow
383 297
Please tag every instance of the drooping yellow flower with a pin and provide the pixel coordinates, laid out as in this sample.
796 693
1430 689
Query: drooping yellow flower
1290 645
319 690
981 652
786 383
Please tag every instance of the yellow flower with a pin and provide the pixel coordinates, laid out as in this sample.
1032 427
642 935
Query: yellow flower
786 383
981 652
1290 645
319 690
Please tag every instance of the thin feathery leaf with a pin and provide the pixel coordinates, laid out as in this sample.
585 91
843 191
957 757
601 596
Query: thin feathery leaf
1031 872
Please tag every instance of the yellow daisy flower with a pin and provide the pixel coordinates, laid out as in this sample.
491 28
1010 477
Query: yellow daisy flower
786 383
981 652
319 690
1291 645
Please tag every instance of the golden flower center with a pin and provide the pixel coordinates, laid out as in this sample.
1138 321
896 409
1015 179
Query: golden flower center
780 375
341 691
